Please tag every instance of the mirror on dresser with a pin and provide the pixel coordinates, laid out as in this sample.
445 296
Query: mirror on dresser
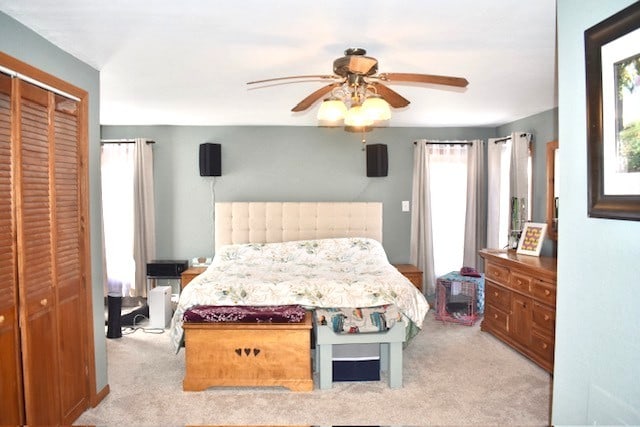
552 190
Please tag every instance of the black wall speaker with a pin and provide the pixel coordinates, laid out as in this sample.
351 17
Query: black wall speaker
377 160
210 164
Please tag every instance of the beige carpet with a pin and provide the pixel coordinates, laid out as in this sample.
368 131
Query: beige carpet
453 375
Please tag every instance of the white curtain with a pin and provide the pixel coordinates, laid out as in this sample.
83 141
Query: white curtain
117 205
128 216
520 179
421 253
498 161
474 236
144 242
444 215
508 176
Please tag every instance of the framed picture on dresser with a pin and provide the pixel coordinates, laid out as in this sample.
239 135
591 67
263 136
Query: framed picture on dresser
531 238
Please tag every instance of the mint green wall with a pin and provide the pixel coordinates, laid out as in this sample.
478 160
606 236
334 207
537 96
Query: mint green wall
276 163
21 43
597 372
288 163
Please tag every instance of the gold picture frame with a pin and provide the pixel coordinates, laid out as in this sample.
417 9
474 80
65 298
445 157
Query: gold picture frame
531 239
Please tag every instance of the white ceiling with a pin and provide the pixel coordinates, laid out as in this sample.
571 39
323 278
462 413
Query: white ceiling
186 62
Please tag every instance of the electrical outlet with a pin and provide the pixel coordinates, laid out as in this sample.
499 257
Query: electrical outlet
405 206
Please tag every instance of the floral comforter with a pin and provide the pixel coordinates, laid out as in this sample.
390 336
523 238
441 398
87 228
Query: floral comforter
328 273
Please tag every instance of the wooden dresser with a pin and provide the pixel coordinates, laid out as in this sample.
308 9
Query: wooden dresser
520 303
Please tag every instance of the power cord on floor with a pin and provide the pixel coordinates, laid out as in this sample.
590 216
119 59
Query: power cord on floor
128 330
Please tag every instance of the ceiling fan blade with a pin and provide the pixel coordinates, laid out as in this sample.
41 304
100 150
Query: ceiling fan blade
312 76
311 99
423 78
392 97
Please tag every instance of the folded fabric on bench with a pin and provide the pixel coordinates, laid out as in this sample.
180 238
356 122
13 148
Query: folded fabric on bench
245 314
359 320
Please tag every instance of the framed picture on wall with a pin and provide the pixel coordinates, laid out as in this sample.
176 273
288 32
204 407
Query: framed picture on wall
531 238
612 66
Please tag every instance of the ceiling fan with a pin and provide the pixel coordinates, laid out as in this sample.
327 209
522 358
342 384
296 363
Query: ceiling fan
358 94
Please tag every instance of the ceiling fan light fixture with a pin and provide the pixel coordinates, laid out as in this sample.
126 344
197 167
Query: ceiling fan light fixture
376 108
357 117
332 112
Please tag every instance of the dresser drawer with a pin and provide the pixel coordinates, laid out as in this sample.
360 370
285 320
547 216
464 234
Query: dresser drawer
520 282
497 273
496 319
542 344
544 291
544 317
497 296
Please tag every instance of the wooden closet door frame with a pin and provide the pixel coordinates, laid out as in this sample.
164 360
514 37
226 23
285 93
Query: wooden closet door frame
38 75
11 390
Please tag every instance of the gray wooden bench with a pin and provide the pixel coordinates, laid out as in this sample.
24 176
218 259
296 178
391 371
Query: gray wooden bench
390 351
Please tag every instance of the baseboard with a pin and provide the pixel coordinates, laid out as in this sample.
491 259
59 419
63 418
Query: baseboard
99 396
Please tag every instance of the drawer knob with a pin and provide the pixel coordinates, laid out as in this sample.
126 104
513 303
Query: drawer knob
547 292
1 320
495 294
546 317
495 316
544 345
44 302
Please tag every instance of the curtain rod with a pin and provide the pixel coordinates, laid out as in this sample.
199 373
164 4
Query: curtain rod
122 141
446 142
506 138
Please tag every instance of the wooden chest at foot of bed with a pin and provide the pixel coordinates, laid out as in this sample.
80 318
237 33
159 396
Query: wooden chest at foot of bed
248 354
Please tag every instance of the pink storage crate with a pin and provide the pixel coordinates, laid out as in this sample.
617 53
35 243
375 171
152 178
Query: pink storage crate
456 301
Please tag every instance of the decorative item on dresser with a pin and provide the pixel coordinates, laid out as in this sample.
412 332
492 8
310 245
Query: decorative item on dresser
520 299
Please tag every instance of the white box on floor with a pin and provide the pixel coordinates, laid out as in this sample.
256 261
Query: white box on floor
159 300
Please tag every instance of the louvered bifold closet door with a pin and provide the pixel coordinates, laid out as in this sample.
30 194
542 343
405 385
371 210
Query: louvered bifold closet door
10 370
35 261
68 260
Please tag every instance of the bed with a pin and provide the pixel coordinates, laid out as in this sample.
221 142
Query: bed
313 255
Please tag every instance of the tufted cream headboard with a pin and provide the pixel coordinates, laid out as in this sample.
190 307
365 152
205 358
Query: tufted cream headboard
270 222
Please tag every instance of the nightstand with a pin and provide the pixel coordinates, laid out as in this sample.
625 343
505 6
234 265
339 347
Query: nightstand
411 272
189 274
